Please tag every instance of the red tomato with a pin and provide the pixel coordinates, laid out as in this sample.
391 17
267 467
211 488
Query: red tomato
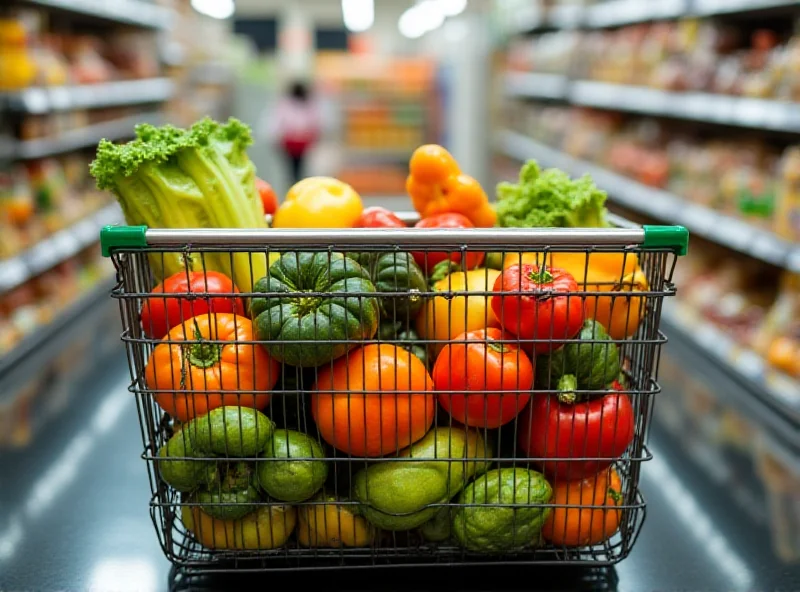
162 313
537 305
427 261
377 217
483 366
600 428
267 194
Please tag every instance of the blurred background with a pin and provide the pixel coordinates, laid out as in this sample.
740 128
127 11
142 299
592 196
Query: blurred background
686 112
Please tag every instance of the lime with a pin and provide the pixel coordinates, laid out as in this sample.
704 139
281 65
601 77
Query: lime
292 480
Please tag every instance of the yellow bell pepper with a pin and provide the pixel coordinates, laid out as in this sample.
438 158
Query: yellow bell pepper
268 527
618 273
445 318
319 202
436 185
332 526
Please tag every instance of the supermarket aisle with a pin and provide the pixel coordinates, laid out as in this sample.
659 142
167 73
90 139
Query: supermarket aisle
77 507
81 501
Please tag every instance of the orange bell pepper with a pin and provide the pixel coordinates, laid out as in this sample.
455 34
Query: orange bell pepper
436 185
196 375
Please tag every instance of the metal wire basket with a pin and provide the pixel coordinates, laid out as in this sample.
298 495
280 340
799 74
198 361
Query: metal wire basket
383 397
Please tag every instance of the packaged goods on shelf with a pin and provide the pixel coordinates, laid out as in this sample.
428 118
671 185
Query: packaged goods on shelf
36 55
31 306
752 179
684 55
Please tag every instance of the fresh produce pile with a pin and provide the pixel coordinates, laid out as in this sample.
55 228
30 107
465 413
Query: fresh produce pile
360 393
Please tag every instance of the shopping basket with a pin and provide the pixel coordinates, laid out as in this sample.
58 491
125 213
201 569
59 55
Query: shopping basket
332 412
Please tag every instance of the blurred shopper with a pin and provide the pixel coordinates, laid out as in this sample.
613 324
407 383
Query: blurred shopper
295 125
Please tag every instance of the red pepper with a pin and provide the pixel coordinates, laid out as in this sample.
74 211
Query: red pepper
160 313
556 426
535 303
377 217
428 260
269 200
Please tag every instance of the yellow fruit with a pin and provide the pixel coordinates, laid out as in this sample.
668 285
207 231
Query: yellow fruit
332 525
319 202
446 318
269 527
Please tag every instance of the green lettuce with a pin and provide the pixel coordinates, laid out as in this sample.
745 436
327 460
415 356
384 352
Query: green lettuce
199 177
550 199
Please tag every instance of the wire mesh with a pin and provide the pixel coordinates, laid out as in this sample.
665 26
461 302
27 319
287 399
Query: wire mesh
393 405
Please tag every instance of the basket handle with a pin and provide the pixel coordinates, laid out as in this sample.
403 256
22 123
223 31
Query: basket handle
656 238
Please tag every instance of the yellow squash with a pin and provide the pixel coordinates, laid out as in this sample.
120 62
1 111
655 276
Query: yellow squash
446 318
332 526
268 527
618 275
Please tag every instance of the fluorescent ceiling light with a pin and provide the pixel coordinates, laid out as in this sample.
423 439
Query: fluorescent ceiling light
452 7
359 15
421 18
218 9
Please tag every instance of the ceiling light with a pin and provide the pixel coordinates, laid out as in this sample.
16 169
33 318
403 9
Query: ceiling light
358 15
421 18
218 9
452 7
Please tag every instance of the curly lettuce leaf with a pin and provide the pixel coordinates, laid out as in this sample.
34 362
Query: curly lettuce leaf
550 199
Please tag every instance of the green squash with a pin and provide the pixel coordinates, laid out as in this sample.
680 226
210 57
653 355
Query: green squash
485 528
394 272
324 325
594 365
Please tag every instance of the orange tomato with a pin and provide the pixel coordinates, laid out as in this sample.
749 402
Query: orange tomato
478 364
374 400
200 373
577 526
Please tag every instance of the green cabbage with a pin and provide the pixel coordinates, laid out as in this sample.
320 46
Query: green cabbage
199 177
550 199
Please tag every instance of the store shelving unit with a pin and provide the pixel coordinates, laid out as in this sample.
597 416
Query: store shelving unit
536 85
133 101
661 205
40 100
138 13
83 137
744 112
531 18
739 372
57 248
615 13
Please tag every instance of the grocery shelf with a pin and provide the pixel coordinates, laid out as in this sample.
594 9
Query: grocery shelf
694 106
718 7
33 347
56 248
661 205
614 13
769 394
530 18
83 137
140 13
39 100
746 112
536 85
